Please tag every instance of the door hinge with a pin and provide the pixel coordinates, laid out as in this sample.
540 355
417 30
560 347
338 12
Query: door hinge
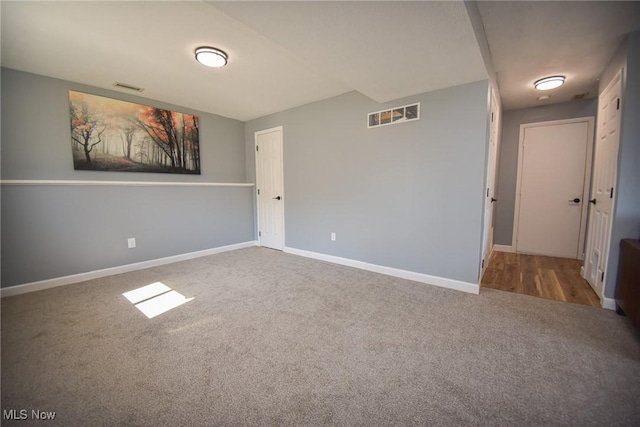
257 148
602 277
482 263
492 117
618 106
611 193
487 191
259 233
258 191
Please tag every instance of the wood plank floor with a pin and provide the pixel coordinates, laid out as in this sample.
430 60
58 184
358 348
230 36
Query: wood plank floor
540 276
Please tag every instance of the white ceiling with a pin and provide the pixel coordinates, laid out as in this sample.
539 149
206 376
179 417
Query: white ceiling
530 40
286 54
385 50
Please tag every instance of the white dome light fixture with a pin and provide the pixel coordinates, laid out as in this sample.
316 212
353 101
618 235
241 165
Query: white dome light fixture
211 57
549 83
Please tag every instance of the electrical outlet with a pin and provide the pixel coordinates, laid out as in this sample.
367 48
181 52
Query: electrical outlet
131 242
333 237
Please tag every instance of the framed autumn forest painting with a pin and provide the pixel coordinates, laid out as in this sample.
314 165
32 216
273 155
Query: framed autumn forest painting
112 135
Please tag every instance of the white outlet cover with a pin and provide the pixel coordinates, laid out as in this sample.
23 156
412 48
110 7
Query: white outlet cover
131 243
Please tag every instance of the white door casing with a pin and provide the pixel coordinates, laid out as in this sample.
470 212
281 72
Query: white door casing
489 200
602 188
270 187
554 168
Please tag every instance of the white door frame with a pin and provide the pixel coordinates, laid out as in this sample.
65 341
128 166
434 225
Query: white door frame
587 178
255 143
492 172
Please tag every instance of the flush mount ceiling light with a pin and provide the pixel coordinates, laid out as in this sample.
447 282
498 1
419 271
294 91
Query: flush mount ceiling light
549 83
211 57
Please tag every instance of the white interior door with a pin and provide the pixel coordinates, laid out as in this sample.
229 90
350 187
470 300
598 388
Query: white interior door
270 191
553 183
489 205
602 188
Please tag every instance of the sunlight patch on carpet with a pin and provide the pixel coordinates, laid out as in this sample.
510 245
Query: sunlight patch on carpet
146 292
155 299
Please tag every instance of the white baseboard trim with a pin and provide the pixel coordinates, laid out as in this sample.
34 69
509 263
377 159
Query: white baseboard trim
503 248
608 303
472 288
81 277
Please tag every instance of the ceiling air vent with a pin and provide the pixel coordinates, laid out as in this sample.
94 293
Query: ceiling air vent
579 96
127 86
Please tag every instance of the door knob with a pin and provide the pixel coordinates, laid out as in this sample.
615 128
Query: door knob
277 198
576 200
593 201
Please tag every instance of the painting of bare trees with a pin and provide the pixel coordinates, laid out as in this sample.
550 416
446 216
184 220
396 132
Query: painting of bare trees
112 135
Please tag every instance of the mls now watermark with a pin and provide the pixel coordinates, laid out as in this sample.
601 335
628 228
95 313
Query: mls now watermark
25 414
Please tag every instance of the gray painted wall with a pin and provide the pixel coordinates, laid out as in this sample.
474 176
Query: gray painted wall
626 220
508 163
407 196
54 231
36 139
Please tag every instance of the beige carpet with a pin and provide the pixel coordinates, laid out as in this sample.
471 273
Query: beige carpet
276 339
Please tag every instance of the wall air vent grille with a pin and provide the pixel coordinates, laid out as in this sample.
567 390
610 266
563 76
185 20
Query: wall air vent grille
579 96
395 115
128 86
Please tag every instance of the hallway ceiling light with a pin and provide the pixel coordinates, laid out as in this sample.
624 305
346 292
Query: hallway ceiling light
549 83
211 57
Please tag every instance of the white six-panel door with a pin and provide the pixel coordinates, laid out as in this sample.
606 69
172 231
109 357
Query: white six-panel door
270 188
602 188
